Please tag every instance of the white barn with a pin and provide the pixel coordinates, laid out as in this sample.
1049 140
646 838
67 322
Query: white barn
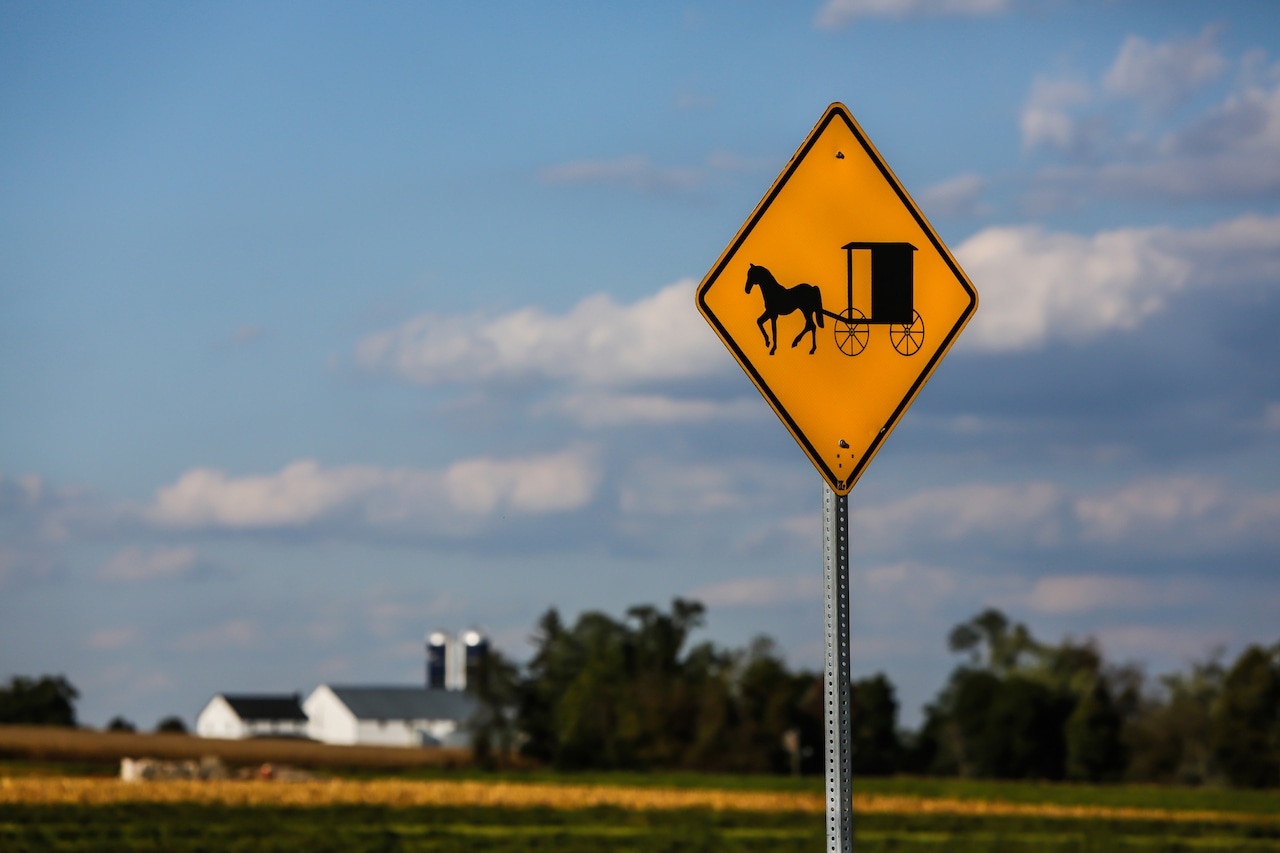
243 716
390 716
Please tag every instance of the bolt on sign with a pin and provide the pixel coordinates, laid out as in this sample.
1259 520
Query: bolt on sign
837 298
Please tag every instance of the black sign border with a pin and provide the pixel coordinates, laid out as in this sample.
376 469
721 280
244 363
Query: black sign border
840 486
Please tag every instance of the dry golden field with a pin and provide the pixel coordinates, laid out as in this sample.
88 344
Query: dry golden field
53 743
61 790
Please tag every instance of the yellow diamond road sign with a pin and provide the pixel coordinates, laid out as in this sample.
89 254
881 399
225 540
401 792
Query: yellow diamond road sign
838 298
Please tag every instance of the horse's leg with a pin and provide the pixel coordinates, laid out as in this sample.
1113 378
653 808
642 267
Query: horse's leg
808 327
760 323
773 324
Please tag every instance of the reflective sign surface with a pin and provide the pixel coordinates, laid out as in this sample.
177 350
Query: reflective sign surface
837 298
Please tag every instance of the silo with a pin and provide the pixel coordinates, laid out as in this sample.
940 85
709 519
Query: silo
437 660
475 651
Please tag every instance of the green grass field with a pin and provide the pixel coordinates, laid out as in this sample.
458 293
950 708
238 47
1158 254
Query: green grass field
358 828
191 827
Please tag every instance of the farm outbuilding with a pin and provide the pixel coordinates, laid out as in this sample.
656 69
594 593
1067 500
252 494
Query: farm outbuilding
241 716
390 716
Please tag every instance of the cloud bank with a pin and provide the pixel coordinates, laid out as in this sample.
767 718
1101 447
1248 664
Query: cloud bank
449 502
1228 151
1038 285
597 343
1162 76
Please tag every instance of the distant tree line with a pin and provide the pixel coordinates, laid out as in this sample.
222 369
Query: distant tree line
45 701
50 701
632 693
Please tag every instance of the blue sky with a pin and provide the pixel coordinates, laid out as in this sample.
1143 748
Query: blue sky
326 325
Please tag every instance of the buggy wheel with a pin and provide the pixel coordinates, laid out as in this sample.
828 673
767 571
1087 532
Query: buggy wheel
851 331
908 338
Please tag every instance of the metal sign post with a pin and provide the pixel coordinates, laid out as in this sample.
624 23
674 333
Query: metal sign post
836 679
837 217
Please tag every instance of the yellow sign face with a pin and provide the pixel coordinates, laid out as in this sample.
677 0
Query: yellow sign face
837 298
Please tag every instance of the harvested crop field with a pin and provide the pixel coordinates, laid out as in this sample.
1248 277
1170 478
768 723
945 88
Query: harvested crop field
54 743
66 813
401 794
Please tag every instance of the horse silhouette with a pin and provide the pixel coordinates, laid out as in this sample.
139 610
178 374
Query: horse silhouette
779 300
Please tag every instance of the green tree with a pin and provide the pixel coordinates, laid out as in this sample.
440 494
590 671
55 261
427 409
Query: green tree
494 682
877 750
1169 739
1095 750
547 675
1246 720
992 643
120 724
630 693
594 724
172 725
1020 708
1007 728
47 701
770 702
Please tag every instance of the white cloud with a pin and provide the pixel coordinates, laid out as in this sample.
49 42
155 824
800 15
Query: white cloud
1038 285
917 587
1047 117
1141 641
1017 511
306 493
1173 509
662 487
1159 503
1230 151
38 512
790 533
112 639
1058 594
1157 514
1164 75
599 342
555 483
636 173
36 519
137 564
957 197
300 493
840 13
657 488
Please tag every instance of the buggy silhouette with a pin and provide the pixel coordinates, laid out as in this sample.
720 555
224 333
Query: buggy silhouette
892 296
892 293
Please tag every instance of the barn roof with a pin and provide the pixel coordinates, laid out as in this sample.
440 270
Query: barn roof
405 703
266 707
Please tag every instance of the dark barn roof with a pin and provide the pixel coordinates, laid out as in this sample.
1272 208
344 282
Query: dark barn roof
266 707
405 703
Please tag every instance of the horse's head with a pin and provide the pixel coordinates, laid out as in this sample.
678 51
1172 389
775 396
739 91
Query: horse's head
755 275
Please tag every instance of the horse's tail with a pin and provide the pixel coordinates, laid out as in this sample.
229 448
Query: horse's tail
818 300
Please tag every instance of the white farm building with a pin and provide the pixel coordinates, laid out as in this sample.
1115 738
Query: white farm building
242 716
389 716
